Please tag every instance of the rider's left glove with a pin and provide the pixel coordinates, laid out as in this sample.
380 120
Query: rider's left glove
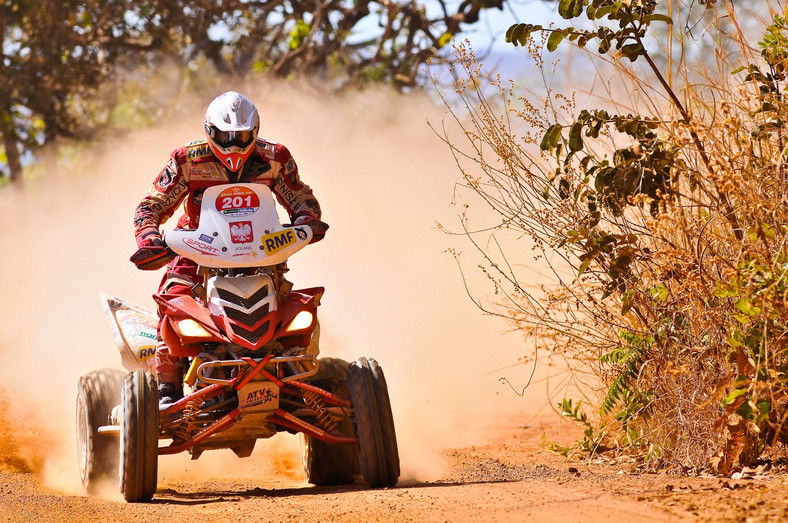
318 227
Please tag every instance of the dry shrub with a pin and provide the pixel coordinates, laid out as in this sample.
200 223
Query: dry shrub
665 226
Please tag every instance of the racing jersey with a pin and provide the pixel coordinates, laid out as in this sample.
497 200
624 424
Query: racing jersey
193 168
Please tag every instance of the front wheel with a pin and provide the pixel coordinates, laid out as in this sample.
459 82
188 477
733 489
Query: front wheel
97 393
139 437
379 455
328 464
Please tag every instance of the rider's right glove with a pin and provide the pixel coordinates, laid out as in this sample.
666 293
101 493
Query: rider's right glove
152 253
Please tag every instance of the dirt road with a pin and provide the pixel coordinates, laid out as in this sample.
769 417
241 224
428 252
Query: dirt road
507 477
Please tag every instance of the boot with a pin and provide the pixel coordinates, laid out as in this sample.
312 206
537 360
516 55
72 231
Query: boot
169 393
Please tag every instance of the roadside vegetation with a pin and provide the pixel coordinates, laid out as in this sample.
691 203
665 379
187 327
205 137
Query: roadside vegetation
660 208
75 70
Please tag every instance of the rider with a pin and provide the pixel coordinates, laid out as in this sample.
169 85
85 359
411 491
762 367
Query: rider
231 153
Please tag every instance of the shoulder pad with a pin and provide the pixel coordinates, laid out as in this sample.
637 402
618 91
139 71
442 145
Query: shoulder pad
197 149
267 149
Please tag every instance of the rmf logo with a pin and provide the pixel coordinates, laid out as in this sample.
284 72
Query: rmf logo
146 352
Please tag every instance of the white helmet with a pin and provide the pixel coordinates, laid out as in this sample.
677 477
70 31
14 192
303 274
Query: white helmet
231 125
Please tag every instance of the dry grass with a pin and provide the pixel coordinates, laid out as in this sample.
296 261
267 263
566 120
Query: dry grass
666 232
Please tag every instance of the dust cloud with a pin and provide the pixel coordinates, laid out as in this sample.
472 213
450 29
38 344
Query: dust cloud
392 291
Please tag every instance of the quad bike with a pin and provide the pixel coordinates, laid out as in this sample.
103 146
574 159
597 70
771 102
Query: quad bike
249 361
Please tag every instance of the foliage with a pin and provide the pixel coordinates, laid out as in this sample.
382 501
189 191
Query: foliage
665 228
55 55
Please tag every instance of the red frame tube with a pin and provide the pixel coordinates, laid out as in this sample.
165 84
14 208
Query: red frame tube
280 417
285 419
211 429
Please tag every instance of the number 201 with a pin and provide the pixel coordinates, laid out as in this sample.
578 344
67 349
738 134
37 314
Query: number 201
230 202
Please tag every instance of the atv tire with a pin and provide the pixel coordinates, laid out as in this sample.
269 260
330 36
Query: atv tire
326 464
139 437
97 393
379 455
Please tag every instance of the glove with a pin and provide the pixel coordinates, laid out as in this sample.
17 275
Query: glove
152 253
149 237
318 228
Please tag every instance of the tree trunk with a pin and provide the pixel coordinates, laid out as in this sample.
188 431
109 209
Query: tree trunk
14 159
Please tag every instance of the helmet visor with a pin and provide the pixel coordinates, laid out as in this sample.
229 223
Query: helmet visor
229 138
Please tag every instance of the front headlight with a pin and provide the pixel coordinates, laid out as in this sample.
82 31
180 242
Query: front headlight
193 329
303 320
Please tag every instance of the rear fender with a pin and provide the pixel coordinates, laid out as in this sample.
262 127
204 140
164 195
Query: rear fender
134 330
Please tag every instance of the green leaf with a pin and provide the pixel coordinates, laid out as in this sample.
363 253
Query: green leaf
570 8
575 137
735 394
604 45
551 137
523 39
518 34
602 11
626 305
658 18
514 32
746 307
632 51
556 37
746 411
444 39
583 267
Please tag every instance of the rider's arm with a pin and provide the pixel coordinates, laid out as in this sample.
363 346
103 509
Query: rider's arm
168 191
296 196
292 193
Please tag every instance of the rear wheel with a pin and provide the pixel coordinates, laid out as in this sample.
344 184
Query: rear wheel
328 464
379 455
139 437
97 393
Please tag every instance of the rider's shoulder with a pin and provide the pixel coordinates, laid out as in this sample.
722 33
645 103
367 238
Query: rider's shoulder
194 150
271 150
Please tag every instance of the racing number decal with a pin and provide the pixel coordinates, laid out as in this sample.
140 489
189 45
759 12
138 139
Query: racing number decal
273 243
237 201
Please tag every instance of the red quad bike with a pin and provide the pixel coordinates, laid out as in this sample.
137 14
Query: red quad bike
248 348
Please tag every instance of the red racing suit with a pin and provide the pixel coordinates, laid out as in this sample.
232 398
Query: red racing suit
190 170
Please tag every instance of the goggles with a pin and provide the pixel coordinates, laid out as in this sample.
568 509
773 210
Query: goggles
230 138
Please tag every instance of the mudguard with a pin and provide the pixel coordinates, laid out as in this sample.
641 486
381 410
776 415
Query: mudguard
134 330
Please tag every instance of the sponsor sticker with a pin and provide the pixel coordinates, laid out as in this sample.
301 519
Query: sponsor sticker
275 242
205 238
259 395
165 179
199 174
269 150
284 191
146 353
198 150
200 246
241 232
172 196
237 201
301 234
145 332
